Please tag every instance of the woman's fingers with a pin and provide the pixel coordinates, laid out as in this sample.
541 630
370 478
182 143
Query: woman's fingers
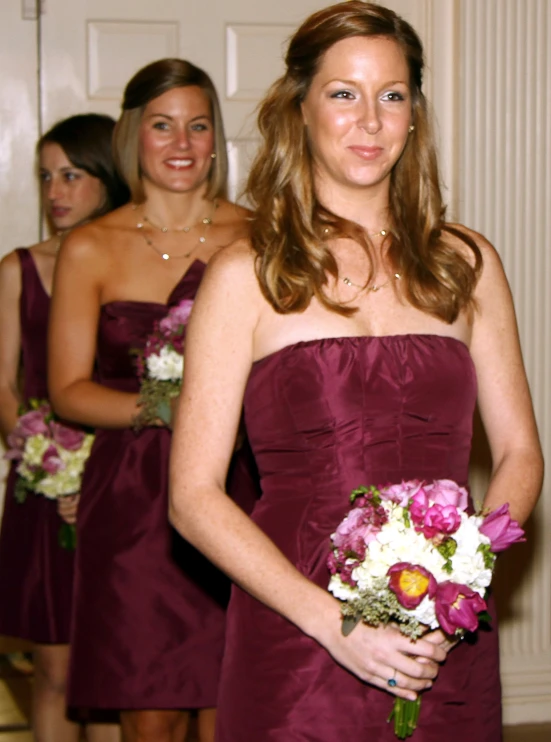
67 508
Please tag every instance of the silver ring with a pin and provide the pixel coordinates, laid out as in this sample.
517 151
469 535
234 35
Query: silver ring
392 682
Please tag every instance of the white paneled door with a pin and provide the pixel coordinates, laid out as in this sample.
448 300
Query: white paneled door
91 48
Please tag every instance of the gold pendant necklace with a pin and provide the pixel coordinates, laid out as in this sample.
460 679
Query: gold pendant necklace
373 288
206 221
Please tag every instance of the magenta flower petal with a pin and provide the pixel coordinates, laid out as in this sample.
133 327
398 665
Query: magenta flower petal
411 583
457 607
501 529
67 437
51 462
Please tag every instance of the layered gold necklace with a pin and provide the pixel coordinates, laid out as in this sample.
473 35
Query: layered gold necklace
205 222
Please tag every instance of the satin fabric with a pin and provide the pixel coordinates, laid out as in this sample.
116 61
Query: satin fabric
324 417
36 574
149 610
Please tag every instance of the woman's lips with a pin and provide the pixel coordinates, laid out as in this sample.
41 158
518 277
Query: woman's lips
366 153
58 212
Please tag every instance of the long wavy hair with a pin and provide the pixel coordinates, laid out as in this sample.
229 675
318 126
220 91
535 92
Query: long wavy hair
147 84
291 226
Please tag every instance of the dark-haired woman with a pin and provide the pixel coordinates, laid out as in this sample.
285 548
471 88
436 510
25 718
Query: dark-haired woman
149 610
78 182
359 328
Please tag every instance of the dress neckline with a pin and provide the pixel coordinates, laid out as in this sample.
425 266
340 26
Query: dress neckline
300 344
195 263
36 272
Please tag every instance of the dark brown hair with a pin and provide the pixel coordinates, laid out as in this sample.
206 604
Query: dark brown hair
147 84
86 139
290 225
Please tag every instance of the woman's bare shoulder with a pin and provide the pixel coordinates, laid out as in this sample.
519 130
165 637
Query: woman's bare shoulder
10 273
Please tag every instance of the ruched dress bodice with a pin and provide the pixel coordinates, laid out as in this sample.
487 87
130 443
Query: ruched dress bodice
323 417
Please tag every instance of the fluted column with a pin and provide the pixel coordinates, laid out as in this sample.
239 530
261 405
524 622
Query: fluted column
504 191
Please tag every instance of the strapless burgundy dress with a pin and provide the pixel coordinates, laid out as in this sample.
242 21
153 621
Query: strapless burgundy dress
36 574
149 610
323 417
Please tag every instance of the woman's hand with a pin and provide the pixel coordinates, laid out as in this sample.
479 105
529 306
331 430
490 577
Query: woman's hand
67 508
377 655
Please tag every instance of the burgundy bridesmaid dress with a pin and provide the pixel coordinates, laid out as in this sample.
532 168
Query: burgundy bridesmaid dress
323 417
36 574
149 610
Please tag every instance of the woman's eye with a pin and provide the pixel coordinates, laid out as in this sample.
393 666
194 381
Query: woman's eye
343 94
393 96
44 177
199 127
160 125
71 176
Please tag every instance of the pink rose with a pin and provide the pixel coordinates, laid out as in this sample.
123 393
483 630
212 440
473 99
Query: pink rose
33 423
501 529
448 492
439 520
402 493
457 607
356 531
68 438
411 583
51 463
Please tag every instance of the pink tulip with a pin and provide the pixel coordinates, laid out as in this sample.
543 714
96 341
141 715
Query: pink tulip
501 529
457 607
51 462
411 583
68 438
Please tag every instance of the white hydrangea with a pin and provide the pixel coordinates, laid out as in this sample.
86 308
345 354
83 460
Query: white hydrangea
167 365
67 480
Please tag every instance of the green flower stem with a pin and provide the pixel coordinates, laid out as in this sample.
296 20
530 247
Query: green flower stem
405 715
67 537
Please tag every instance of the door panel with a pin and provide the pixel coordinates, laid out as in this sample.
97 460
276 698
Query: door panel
90 48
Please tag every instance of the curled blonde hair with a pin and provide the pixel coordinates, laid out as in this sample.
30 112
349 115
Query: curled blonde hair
290 225
147 84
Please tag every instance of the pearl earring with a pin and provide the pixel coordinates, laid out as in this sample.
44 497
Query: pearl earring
213 155
411 128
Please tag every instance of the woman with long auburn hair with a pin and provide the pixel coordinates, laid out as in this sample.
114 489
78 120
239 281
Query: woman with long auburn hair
360 329
149 615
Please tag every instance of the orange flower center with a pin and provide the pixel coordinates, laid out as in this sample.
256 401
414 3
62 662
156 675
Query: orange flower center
413 583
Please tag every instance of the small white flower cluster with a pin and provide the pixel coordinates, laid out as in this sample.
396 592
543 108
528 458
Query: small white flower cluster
166 365
67 480
398 541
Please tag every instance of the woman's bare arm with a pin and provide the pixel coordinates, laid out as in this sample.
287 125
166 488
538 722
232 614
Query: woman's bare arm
81 270
504 397
10 341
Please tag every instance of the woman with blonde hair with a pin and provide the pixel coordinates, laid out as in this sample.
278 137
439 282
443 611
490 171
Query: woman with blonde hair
359 328
149 610
78 182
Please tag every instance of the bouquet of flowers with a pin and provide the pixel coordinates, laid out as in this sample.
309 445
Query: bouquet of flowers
161 366
410 554
50 456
